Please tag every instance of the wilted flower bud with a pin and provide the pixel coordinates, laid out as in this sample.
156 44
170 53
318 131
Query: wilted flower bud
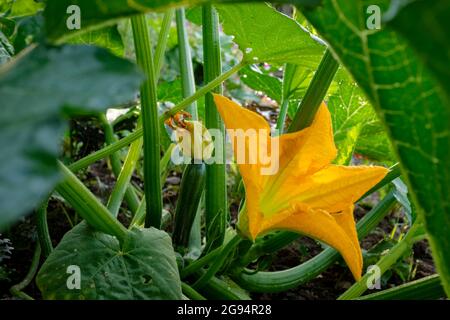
194 140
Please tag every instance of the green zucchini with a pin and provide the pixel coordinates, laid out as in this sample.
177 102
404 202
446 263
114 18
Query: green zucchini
192 185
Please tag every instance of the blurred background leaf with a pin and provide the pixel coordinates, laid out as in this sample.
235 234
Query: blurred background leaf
41 87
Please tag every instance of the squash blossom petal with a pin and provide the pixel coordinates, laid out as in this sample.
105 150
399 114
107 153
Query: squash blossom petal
307 194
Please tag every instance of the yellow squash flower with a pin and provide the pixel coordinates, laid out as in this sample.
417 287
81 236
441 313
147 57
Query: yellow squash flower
308 194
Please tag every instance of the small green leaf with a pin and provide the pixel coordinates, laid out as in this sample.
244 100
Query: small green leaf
170 91
347 144
143 268
295 81
401 194
253 77
350 108
37 90
6 49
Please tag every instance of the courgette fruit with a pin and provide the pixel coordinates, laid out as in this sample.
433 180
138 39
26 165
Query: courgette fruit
192 185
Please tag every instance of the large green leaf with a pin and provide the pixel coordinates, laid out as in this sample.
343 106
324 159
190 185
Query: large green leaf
266 35
428 34
144 267
253 77
36 91
108 38
350 109
19 8
100 12
410 103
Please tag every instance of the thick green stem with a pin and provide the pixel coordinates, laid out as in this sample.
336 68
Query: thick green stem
16 290
282 115
45 240
316 93
385 263
190 292
200 263
87 205
287 279
150 124
131 197
216 207
124 174
186 68
123 180
217 289
139 217
162 42
428 288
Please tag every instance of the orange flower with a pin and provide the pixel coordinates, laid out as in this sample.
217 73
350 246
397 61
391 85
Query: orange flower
307 194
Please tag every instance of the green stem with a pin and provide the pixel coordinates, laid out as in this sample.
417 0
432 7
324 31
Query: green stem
282 115
218 289
186 68
202 91
45 240
162 41
87 205
200 263
271 245
191 293
123 180
287 279
316 93
130 195
149 115
216 207
385 263
139 217
428 288
218 263
16 290
106 151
